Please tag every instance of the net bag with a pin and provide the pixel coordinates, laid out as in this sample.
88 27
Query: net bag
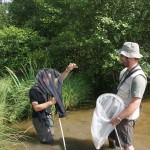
107 106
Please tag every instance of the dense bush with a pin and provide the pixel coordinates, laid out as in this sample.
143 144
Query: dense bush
18 46
86 32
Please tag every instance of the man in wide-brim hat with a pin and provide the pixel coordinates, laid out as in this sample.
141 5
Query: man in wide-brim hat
131 91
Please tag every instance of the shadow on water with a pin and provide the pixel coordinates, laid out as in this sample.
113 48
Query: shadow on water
76 144
32 143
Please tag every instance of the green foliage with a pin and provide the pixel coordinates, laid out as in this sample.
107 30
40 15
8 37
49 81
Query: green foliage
29 72
18 103
39 15
87 32
21 11
14 77
5 18
14 97
76 91
18 46
4 92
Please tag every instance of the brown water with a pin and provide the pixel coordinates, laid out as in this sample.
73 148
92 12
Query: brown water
76 127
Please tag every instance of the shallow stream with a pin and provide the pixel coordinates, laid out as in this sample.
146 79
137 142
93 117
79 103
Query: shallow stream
76 127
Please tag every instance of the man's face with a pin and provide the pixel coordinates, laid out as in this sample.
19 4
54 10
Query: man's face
124 60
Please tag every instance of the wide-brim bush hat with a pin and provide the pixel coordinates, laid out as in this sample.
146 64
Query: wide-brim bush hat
130 50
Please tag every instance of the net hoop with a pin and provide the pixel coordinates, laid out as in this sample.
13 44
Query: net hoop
108 106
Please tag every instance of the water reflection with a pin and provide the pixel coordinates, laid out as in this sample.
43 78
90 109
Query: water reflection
77 134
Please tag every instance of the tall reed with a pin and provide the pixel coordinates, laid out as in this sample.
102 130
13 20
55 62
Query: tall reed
76 91
9 137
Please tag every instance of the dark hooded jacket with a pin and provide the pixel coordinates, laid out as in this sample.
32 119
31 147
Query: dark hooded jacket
49 83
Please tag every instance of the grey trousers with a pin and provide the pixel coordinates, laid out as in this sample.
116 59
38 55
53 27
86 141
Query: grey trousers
43 131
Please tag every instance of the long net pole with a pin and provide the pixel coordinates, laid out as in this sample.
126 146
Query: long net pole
118 138
62 133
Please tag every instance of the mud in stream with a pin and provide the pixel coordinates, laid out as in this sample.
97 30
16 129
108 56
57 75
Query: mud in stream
76 127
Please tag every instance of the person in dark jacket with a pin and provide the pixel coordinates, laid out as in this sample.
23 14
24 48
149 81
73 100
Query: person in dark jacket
46 92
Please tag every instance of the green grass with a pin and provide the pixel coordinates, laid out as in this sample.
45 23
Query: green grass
11 138
76 90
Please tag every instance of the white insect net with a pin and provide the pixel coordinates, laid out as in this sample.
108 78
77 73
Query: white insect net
107 106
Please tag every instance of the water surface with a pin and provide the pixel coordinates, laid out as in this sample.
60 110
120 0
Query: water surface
76 127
